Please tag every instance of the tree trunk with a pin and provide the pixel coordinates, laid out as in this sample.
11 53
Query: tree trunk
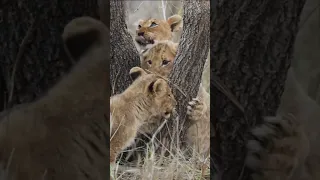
31 46
192 53
252 44
193 48
123 53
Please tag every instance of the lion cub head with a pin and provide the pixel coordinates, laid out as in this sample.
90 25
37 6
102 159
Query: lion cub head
155 91
159 58
151 30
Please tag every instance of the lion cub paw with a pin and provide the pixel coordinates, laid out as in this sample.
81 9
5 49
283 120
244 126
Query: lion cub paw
196 109
278 146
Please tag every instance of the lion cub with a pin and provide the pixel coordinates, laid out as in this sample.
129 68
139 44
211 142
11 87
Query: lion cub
287 146
159 59
148 95
64 134
151 30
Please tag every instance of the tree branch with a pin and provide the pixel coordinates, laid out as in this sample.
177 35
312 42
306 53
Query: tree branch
22 49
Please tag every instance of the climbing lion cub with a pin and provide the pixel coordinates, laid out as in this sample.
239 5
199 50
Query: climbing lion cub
287 146
148 95
159 59
64 134
151 30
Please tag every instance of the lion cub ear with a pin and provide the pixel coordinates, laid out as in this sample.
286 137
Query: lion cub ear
175 22
81 34
136 72
158 87
175 46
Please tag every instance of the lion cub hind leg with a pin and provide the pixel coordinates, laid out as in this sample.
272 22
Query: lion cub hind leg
279 146
121 139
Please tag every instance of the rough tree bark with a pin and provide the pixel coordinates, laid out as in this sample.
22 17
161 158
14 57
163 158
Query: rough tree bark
252 44
193 48
30 36
123 53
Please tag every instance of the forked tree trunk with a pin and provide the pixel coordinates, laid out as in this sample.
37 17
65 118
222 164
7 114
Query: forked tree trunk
190 59
123 53
252 44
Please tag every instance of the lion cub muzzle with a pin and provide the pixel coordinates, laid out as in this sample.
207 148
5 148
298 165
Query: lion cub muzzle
171 110
141 40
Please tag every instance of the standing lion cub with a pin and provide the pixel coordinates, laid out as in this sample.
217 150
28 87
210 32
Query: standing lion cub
148 95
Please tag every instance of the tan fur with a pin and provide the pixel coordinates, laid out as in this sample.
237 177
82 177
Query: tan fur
161 30
159 58
149 95
64 134
199 108
292 151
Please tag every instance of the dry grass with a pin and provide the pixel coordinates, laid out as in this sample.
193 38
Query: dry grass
166 168
178 164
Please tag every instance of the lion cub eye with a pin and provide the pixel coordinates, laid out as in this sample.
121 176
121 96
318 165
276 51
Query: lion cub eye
149 62
139 26
153 24
165 62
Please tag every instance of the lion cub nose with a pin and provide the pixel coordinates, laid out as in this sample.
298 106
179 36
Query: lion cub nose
140 33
